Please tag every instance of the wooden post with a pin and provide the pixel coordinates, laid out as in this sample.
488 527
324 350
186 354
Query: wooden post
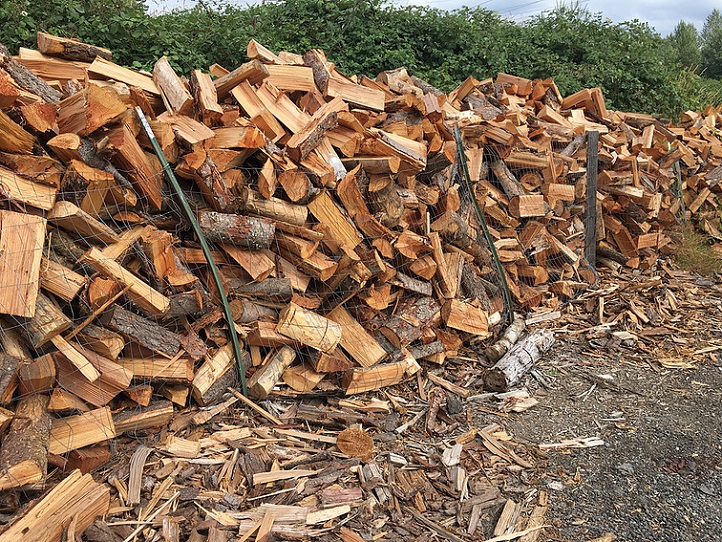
590 221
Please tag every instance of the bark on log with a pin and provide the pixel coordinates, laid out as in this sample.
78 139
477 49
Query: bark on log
277 290
142 331
506 179
27 79
70 49
242 231
24 452
507 340
509 370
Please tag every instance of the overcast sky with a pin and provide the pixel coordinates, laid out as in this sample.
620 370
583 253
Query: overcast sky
663 15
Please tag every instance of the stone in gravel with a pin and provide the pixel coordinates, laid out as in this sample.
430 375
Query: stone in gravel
626 468
454 405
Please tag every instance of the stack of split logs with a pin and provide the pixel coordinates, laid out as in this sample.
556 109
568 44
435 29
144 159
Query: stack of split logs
344 239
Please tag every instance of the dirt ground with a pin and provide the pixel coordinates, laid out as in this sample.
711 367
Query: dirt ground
658 475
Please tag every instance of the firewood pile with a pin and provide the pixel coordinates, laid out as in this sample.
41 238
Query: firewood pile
345 240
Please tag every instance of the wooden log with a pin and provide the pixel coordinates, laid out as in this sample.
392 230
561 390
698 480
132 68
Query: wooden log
25 191
141 331
270 289
265 334
85 112
206 97
258 264
158 369
48 322
145 297
113 378
102 68
15 138
341 229
246 311
511 335
466 317
274 208
64 402
506 179
76 221
302 379
268 375
60 281
24 451
244 231
76 500
26 79
87 186
157 414
355 340
176 96
8 372
217 373
36 376
309 328
69 147
509 370
70 49
74 354
527 206
410 321
81 430
131 158
85 460
308 138
332 362
373 378
21 245
254 72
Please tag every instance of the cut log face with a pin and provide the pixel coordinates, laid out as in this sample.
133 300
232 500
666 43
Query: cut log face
21 245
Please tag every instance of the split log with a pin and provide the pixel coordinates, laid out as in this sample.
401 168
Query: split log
217 373
85 112
21 246
113 378
158 414
411 320
27 79
267 376
60 281
309 328
78 499
37 376
24 452
48 322
174 92
145 297
465 317
15 138
238 230
355 340
206 97
509 370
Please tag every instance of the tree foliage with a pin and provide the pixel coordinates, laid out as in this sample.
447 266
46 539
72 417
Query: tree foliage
635 67
685 41
711 51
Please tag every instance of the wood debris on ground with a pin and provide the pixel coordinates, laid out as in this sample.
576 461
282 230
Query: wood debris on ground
352 257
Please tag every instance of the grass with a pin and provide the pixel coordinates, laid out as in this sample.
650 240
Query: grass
695 253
